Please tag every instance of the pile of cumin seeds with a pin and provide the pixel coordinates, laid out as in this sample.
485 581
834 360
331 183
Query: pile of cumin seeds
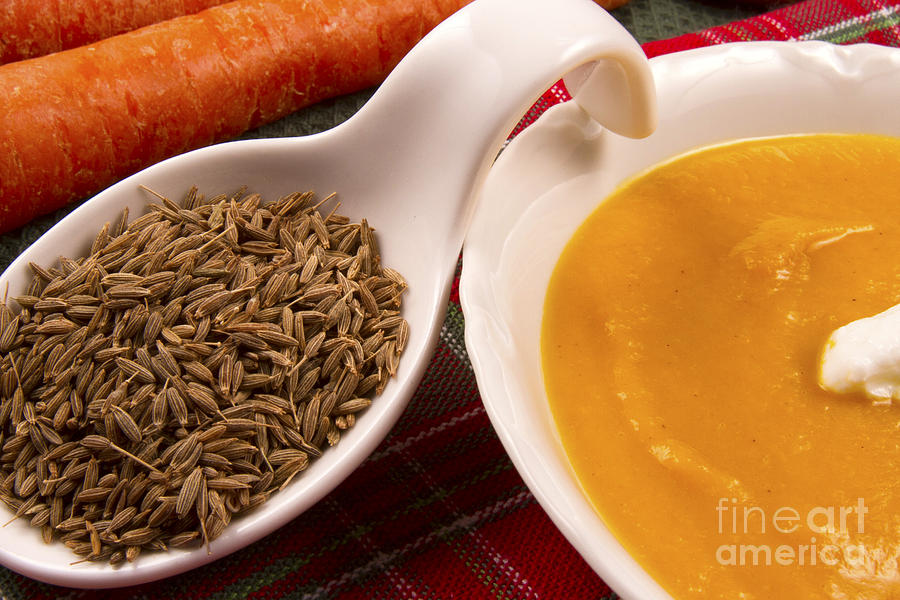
189 367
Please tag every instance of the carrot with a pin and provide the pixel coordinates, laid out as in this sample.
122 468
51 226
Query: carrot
76 121
37 27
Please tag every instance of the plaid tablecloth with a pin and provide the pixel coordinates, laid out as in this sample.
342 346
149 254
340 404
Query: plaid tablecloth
439 511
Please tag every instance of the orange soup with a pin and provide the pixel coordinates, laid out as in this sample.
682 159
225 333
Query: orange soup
682 333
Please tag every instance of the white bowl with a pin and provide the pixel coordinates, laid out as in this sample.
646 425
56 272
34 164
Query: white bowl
552 176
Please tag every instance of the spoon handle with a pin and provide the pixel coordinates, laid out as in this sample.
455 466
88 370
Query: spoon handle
442 115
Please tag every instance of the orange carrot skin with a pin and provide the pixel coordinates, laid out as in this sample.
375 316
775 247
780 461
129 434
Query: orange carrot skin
76 121
32 28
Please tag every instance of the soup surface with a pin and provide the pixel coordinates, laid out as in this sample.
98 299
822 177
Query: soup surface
682 334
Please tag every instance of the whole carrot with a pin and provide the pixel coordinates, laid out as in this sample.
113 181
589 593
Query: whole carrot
33 28
76 121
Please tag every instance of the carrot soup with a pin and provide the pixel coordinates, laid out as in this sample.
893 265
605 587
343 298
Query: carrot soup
682 339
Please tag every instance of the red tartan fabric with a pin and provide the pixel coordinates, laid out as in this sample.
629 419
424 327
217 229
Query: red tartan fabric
843 21
439 511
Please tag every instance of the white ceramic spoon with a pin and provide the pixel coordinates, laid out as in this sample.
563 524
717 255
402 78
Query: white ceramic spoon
410 162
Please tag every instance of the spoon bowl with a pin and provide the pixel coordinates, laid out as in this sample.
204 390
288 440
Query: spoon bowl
409 162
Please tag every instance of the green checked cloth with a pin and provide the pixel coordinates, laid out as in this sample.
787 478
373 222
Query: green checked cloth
438 511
